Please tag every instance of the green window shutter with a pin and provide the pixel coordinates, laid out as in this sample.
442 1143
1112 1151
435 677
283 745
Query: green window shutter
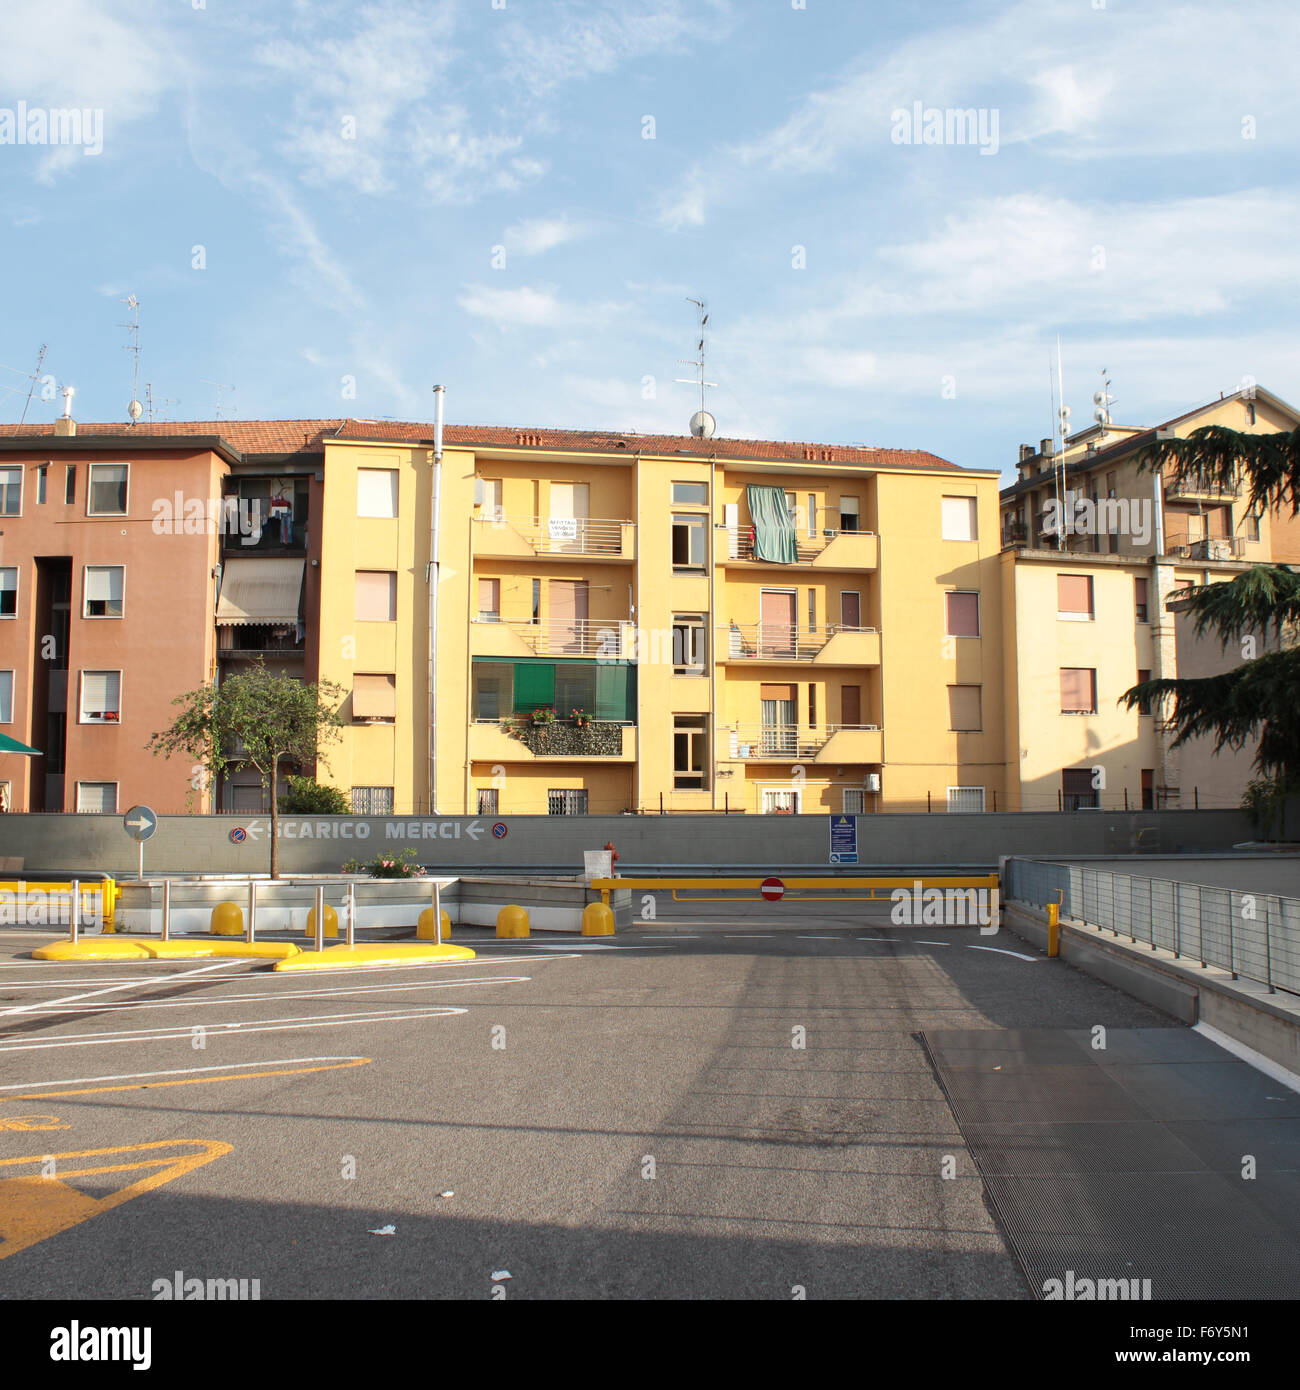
534 685
616 693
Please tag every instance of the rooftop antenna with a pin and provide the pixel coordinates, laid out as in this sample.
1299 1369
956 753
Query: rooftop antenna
149 407
135 409
221 386
33 377
1103 400
703 425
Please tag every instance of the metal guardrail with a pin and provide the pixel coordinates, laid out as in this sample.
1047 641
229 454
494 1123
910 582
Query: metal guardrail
1251 935
778 641
552 637
559 535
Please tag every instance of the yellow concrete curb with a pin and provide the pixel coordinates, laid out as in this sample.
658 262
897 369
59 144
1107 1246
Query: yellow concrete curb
127 948
403 953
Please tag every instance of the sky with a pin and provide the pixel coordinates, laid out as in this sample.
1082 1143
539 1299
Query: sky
326 207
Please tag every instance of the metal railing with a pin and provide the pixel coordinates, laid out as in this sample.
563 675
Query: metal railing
1254 935
556 637
777 641
741 543
559 535
748 741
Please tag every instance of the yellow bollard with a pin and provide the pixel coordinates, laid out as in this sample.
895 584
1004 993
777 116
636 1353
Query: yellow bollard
227 920
1053 929
597 920
424 929
331 922
512 921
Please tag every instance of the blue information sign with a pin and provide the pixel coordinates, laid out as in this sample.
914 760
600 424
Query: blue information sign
844 840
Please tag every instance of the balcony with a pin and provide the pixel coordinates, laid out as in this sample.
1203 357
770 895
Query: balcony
1015 533
1197 488
849 550
834 645
555 537
562 741
828 743
511 637
1208 548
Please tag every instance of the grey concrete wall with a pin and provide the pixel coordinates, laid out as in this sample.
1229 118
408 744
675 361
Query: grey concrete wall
202 844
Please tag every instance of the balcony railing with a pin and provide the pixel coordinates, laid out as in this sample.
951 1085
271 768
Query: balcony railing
757 741
1208 548
1198 487
777 641
741 543
558 535
552 637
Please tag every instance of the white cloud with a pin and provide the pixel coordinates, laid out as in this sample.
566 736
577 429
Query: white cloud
541 234
527 307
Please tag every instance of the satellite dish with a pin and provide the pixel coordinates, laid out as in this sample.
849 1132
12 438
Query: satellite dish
1102 417
703 425
135 410
1099 398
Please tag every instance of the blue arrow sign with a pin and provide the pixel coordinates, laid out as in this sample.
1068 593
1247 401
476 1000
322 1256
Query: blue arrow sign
140 822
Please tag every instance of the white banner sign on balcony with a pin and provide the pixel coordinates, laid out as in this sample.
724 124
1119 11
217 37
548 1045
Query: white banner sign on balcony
562 528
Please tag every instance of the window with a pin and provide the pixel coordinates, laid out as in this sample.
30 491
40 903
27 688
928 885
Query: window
376 596
377 492
97 798
103 592
962 613
70 484
855 801
1144 675
780 803
1148 789
689 540
1077 790
490 492
812 706
1078 690
106 491
1250 523
812 610
6 697
42 481
849 514
11 491
537 600
372 801
1250 413
8 591
101 697
488 801
1074 597
959 522
812 515
691 494
489 600
690 732
374 699
965 798
1140 599
964 708
850 610
493 690
566 801
689 651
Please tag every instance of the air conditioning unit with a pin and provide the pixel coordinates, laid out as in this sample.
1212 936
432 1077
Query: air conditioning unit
872 781
1183 551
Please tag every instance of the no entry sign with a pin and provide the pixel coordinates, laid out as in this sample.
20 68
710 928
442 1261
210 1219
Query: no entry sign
772 889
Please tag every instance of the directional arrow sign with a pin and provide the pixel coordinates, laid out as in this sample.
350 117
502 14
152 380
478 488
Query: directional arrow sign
140 822
473 830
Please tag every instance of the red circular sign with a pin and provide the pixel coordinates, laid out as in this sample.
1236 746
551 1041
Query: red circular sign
772 889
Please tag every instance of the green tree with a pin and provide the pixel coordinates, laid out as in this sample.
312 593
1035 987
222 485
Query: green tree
1258 609
308 797
254 718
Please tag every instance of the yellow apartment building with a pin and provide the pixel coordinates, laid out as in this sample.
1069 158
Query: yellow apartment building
645 623
1090 564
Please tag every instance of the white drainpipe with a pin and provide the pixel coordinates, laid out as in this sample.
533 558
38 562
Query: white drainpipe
435 505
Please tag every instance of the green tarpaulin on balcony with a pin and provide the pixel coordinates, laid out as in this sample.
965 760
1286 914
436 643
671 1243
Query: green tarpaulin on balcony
774 537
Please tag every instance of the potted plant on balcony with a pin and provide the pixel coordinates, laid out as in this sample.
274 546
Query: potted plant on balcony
542 717
581 718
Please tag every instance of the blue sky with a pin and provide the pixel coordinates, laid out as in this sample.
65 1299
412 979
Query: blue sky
350 171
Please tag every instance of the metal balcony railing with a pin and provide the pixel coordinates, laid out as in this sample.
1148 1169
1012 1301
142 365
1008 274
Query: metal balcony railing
777 641
557 535
1207 548
551 637
1198 487
741 543
752 741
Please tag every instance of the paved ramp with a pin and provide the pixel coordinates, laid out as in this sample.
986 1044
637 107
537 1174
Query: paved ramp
1127 1163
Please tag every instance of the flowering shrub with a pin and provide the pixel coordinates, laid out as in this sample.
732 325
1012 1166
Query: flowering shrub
545 715
399 867
580 717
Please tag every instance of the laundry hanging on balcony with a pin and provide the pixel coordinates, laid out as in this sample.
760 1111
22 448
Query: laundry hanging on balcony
774 535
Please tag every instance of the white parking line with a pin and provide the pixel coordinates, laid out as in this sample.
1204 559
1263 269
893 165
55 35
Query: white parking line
1019 955
90 994
176 1071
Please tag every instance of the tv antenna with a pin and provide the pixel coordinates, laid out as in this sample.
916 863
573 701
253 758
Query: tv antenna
135 409
221 386
1103 400
149 409
33 377
703 425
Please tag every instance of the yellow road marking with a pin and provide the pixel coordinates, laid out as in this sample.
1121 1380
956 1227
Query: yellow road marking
27 1122
33 1207
188 1081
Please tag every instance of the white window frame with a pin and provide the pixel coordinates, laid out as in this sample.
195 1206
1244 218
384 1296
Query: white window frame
1067 616
22 487
492 796
85 596
861 794
979 616
569 796
958 810
369 796
90 488
795 792
394 473
18 579
12 674
116 798
972 512
82 717
692 623
681 501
